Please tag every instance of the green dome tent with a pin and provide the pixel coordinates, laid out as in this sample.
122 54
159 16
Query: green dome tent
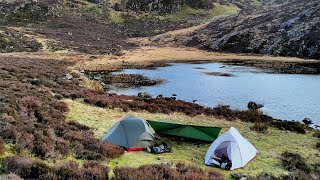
131 133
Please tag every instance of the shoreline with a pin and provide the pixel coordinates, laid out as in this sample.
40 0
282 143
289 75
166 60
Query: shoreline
144 57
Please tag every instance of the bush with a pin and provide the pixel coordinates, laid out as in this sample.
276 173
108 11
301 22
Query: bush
154 172
214 175
265 176
10 177
292 162
94 170
260 127
25 167
2 146
34 121
297 174
69 170
317 134
91 170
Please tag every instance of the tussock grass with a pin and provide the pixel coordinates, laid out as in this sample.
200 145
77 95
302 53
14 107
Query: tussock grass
223 10
270 145
116 17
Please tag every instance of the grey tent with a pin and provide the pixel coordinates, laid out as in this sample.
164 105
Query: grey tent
131 133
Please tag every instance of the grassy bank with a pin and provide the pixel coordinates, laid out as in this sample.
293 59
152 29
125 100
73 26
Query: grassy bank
270 145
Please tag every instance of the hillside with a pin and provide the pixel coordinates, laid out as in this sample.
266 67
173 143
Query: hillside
290 29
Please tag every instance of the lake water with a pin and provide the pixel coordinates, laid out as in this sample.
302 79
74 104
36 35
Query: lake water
285 96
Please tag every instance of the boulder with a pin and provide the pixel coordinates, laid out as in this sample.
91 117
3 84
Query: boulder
307 121
254 105
144 95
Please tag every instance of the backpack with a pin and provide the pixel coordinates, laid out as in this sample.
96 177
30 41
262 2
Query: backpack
159 148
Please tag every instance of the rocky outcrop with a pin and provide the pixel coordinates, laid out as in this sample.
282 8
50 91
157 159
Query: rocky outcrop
27 10
291 29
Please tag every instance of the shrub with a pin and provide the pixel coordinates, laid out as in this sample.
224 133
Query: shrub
317 134
297 174
2 146
24 167
154 172
10 177
214 175
34 121
293 162
94 170
318 145
260 127
265 176
69 170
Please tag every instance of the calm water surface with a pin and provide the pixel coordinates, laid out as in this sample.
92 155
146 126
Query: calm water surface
285 96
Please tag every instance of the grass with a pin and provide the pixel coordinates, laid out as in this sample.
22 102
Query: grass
186 13
116 17
223 10
270 145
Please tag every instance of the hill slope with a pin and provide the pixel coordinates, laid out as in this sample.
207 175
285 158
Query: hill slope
287 30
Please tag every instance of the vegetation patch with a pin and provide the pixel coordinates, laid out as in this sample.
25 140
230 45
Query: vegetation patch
154 172
2 146
127 80
32 119
14 41
190 152
86 36
218 74
28 168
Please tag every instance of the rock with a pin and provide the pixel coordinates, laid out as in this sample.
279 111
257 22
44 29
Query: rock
239 176
97 77
253 105
160 96
68 77
144 95
118 7
35 81
118 53
307 121
174 95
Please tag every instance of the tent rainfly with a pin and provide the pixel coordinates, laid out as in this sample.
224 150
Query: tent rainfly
233 145
131 133
204 133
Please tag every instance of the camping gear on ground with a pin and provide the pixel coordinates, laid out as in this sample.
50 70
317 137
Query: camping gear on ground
204 133
159 148
232 145
131 133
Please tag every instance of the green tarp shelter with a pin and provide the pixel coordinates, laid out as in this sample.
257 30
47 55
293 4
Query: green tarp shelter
204 133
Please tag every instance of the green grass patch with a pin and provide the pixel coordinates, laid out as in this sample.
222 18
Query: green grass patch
189 14
116 17
270 145
223 10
